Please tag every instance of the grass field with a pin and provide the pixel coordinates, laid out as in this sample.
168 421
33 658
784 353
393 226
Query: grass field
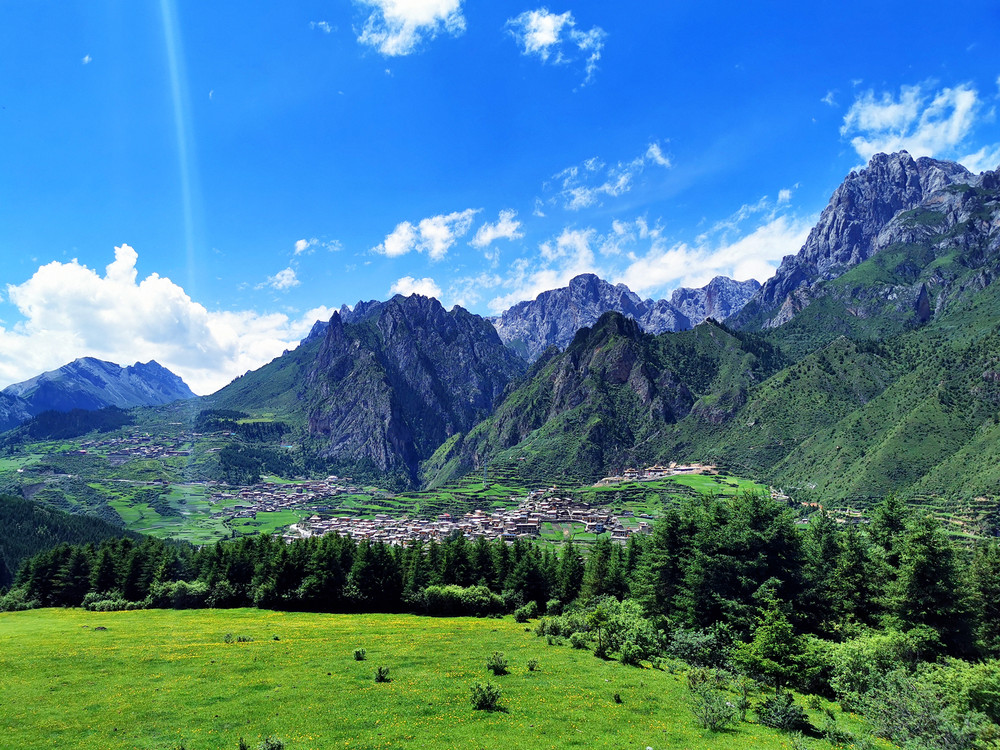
163 679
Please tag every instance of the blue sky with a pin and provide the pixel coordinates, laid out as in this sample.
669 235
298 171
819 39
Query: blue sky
196 183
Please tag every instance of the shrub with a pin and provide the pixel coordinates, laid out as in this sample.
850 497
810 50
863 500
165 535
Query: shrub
782 712
528 612
359 654
382 674
631 654
617 698
579 640
712 708
532 665
497 664
553 607
272 743
486 697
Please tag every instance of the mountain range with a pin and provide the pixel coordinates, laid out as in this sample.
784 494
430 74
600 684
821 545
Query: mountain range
91 384
869 364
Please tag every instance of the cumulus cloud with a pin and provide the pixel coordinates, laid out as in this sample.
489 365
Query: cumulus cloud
560 259
281 281
469 290
433 235
409 285
397 27
302 246
71 311
505 228
753 255
555 37
584 185
921 121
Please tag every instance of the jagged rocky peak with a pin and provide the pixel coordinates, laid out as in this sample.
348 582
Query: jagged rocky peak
718 299
386 389
553 317
845 234
89 383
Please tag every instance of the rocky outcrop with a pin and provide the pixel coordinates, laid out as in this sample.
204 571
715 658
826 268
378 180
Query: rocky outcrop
89 383
554 317
848 230
388 388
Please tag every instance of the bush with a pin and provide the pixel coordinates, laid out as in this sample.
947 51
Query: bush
359 654
553 607
532 665
528 612
579 640
382 674
497 664
712 708
782 712
486 697
271 743
631 654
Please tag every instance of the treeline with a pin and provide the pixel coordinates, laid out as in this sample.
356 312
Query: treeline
62 425
28 528
707 565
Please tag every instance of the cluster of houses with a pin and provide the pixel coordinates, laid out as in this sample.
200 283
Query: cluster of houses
524 521
657 472
268 496
139 445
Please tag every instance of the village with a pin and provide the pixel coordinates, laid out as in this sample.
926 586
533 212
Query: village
522 522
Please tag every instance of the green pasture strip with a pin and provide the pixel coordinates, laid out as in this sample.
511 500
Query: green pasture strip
163 679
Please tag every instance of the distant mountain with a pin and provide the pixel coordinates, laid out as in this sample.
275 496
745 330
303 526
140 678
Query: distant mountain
378 388
848 230
13 411
554 317
92 384
614 398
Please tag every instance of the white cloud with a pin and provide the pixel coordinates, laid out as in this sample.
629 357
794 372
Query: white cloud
282 281
409 285
433 235
72 311
469 290
86 59
506 228
553 36
829 99
568 255
753 255
984 160
784 196
302 246
397 27
323 26
585 185
921 121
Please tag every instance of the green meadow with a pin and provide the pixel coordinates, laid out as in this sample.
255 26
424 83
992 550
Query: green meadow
167 679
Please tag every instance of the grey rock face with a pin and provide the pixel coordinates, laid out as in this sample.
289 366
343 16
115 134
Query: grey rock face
718 299
387 389
553 317
89 383
847 229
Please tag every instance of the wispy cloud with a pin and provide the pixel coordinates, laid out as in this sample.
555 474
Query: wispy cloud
397 27
922 121
558 261
72 311
433 235
555 38
86 60
323 26
505 228
584 185
409 285
282 281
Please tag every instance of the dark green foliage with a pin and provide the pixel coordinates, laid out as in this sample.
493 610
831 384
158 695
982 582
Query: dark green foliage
497 664
382 674
486 697
27 528
60 425
712 706
528 612
782 712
